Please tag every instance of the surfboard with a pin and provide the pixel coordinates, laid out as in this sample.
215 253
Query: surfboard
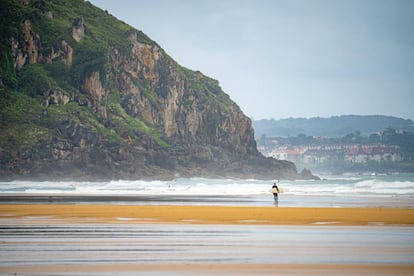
274 190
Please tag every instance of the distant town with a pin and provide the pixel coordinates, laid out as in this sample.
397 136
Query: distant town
390 150
320 154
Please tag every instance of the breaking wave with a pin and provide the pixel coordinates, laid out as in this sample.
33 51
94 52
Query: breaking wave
402 184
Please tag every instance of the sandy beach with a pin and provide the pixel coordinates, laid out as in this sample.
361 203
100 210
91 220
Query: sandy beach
46 246
217 269
48 239
214 214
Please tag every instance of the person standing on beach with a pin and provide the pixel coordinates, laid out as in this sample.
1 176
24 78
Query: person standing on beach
275 194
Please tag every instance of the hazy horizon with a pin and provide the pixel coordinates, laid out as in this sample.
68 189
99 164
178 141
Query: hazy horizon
330 116
290 58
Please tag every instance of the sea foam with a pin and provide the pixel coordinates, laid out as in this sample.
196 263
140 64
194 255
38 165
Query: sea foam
402 184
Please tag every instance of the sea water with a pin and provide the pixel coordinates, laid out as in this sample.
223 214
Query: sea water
377 190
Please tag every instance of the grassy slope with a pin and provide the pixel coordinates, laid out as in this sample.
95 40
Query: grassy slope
22 113
24 118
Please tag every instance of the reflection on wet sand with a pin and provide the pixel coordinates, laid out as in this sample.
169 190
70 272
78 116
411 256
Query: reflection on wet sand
30 246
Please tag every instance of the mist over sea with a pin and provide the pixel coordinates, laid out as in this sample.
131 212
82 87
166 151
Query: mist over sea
396 190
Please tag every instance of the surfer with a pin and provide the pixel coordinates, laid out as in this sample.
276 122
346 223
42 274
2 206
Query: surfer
275 190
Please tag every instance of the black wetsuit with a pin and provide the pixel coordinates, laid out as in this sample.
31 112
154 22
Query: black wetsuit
275 194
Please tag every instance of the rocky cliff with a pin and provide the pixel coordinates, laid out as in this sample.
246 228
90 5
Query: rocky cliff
84 95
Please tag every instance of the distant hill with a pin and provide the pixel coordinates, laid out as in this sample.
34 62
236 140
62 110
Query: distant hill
336 126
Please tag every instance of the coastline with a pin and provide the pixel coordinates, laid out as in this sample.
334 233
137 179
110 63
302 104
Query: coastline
209 214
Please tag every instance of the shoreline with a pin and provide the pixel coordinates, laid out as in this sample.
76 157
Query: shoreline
286 200
207 214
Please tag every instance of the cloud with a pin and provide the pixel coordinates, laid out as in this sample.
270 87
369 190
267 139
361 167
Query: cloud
290 58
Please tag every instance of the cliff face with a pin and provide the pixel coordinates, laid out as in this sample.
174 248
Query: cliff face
84 95
187 106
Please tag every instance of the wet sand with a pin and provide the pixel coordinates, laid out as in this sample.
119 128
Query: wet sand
217 269
48 239
213 214
285 200
203 249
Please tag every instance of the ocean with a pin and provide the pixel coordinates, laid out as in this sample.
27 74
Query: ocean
376 190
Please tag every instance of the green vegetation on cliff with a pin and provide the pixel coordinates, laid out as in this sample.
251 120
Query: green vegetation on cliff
102 32
86 94
19 120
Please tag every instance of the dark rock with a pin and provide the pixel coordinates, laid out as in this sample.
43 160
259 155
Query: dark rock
25 153
307 174
5 157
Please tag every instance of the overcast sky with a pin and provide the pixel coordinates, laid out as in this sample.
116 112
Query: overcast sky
290 58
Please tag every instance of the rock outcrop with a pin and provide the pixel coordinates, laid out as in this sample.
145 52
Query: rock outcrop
96 93
29 51
106 102
78 29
